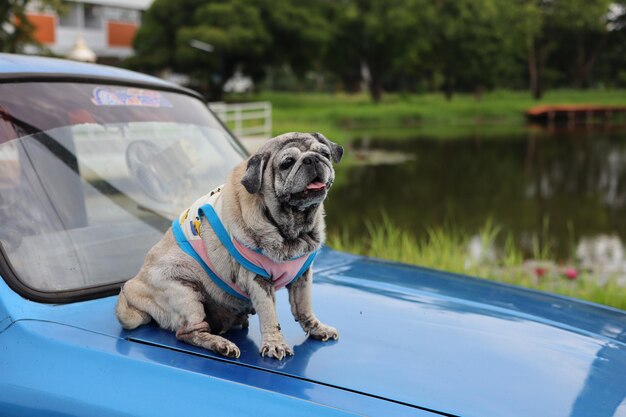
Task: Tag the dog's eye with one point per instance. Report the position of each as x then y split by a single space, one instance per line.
287 163
325 154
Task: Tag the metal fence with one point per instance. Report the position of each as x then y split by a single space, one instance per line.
246 120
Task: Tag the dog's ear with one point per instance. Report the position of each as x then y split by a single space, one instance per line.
253 178
335 150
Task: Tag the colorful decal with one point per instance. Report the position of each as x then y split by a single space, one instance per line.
110 96
195 226
183 217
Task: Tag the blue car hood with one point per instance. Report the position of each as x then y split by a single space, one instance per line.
442 342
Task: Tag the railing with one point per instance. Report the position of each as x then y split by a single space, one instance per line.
246 120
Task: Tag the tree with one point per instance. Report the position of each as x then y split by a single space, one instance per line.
456 45
16 31
586 34
611 65
549 25
465 42
236 31
246 34
470 43
300 32
377 34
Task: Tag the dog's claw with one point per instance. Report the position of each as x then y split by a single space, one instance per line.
323 332
227 348
275 349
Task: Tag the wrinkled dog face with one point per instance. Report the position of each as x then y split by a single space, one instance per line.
296 169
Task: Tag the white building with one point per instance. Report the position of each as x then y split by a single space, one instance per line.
107 26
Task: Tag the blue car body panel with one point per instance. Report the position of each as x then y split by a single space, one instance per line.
84 373
27 67
410 337
13 64
51 369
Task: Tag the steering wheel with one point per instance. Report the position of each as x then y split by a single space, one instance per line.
147 164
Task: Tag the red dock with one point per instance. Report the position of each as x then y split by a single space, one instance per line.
573 112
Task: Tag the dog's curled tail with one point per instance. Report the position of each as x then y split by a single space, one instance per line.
129 316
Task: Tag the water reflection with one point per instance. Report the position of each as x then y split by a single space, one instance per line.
604 255
601 383
575 179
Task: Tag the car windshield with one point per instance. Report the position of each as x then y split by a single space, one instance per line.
92 175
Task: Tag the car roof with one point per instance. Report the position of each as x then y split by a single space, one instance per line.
15 67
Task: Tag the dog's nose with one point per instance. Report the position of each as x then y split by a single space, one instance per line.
308 160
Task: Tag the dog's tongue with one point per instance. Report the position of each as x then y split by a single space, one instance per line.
317 185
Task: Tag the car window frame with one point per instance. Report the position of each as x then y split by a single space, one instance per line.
7 272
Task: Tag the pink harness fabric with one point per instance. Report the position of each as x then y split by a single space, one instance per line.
282 273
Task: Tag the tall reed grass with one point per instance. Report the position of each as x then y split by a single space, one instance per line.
446 248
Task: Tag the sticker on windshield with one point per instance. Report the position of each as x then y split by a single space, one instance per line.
110 96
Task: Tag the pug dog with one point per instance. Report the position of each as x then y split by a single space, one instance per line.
225 256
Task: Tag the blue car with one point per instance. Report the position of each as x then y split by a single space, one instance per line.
95 162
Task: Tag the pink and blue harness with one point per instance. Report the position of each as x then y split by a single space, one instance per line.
186 230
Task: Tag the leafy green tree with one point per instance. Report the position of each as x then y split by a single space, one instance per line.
155 43
300 32
611 66
246 34
549 25
456 45
585 33
377 34
236 31
466 43
471 44
343 57
16 31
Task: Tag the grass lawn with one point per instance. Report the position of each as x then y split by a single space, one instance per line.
447 250
343 117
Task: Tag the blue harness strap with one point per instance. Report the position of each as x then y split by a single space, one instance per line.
306 266
188 249
209 212
222 234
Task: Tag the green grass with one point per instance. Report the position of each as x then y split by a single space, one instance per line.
447 249
345 117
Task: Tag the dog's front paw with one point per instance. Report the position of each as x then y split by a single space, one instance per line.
323 332
275 348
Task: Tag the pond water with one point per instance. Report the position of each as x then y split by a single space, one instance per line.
565 187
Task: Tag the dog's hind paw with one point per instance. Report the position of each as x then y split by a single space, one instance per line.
198 335
226 348
323 332
275 349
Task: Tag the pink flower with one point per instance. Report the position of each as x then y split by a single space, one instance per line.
540 271
571 273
